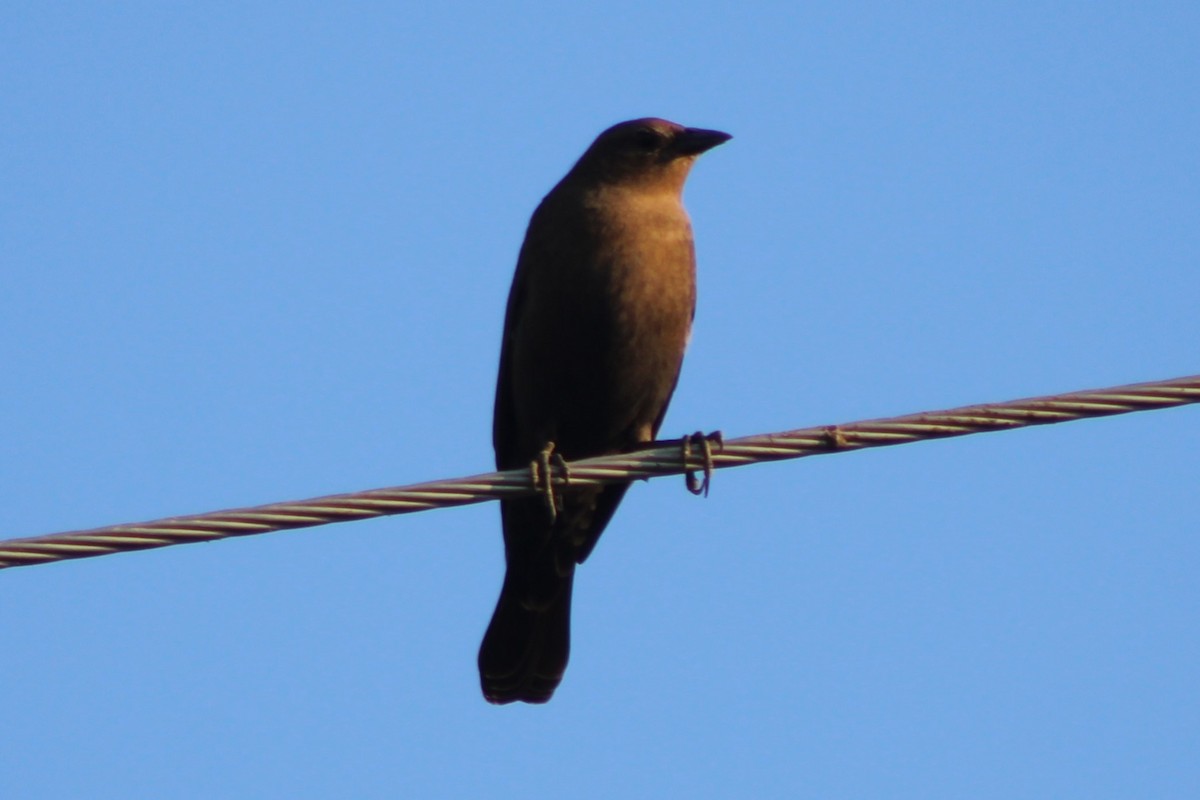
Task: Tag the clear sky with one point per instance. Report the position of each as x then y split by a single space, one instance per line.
256 252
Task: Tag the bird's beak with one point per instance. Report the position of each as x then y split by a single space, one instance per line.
694 141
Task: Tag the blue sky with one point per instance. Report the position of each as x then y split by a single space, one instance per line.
261 252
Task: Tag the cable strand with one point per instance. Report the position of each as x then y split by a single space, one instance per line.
653 461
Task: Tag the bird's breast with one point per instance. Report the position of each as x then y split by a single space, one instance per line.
647 271
605 322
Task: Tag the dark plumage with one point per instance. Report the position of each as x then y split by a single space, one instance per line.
598 318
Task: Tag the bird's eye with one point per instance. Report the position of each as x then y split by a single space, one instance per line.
647 139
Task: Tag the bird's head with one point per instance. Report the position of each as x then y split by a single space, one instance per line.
646 152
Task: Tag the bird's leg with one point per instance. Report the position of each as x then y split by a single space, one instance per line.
694 485
542 477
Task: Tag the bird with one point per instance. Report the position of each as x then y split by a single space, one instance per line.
597 320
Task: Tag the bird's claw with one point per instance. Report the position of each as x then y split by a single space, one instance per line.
541 471
699 486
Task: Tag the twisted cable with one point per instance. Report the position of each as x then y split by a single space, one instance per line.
655 460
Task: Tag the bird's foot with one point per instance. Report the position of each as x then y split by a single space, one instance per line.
698 486
541 473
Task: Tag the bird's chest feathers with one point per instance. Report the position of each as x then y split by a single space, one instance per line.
608 305
643 272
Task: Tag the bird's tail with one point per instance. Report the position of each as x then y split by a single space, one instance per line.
524 652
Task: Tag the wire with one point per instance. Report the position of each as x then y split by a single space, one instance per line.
655 460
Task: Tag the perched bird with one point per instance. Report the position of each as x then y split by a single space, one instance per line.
598 318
